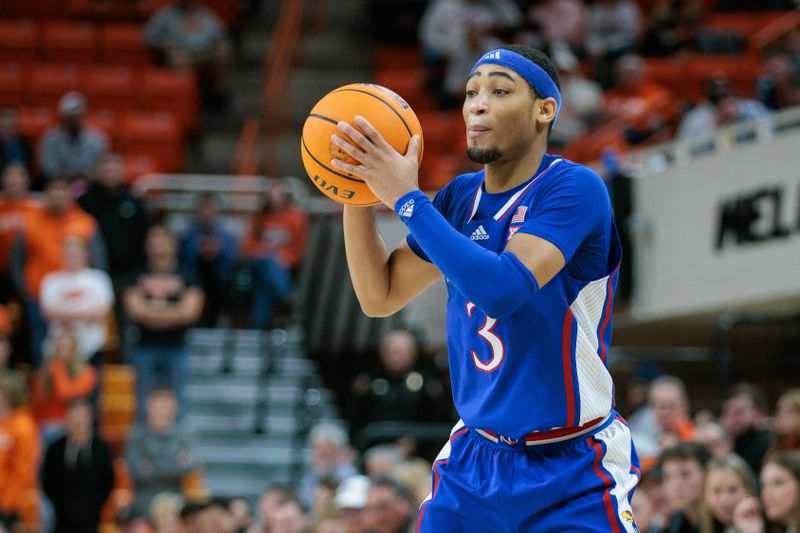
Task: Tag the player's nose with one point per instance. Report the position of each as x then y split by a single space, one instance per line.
479 104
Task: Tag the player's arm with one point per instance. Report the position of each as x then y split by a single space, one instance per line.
384 282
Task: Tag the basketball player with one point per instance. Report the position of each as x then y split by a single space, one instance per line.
530 255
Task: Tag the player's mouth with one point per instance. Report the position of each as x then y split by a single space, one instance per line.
476 131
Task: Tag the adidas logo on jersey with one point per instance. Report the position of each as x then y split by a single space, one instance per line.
479 234
407 209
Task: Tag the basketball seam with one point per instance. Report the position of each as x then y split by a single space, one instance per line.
381 101
320 163
323 117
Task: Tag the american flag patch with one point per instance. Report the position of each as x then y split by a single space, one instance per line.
519 216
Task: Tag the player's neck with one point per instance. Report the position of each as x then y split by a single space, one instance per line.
508 173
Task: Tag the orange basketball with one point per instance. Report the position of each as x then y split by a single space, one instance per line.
382 108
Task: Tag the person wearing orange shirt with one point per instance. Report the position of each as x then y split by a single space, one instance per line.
15 204
19 453
642 107
64 376
273 249
38 251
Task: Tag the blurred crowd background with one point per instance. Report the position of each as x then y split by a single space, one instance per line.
102 282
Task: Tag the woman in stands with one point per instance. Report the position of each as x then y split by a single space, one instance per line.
728 480
780 498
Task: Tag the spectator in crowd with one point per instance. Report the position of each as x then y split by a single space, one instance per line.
651 483
210 249
561 23
351 500
19 453
79 298
780 498
38 251
642 107
14 149
779 86
682 466
122 219
64 376
162 301
188 34
582 102
268 502
714 437
415 475
669 402
72 149
273 249
786 425
612 28
388 507
165 513
647 517
211 516
454 33
331 457
721 108
331 523
289 518
15 205
398 391
744 416
672 27
158 452
78 473
6 349
728 480
131 519
380 461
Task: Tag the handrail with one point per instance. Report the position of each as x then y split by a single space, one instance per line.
245 160
775 30
277 64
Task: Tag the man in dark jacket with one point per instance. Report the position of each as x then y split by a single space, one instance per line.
78 473
122 219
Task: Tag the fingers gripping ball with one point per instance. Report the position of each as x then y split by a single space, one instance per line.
382 108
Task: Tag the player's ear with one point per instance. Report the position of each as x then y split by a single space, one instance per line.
545 110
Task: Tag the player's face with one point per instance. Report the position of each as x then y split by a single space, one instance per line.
498 113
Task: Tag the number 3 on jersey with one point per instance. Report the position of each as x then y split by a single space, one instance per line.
495 343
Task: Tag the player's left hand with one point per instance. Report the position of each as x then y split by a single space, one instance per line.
388 173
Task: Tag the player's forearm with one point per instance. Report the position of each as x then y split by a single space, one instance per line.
367 260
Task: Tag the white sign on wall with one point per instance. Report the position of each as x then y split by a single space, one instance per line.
723 231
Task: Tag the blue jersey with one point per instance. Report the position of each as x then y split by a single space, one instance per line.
542 368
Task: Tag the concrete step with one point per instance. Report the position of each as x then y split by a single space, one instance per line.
249 487
245 455
287 364
274 425
332 51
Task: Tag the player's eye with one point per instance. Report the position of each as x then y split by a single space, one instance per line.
471 92
500 92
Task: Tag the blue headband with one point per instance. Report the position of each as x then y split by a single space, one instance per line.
530 72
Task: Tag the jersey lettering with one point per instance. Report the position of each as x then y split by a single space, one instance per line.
495 343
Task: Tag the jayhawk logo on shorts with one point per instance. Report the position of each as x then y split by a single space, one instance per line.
628 517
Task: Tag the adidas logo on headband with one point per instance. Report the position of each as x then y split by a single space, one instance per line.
492 55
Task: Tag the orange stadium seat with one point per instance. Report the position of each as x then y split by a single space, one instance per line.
444 131
123 43
137 165
157 134
396 57
13 84
34 121
174 91
50 81
69 42
49 9
18 40
110 87
105 121
408 83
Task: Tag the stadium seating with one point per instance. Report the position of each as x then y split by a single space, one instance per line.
122 43
69 42
18 40
110 87
49 82
157 134
174 91
13 84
